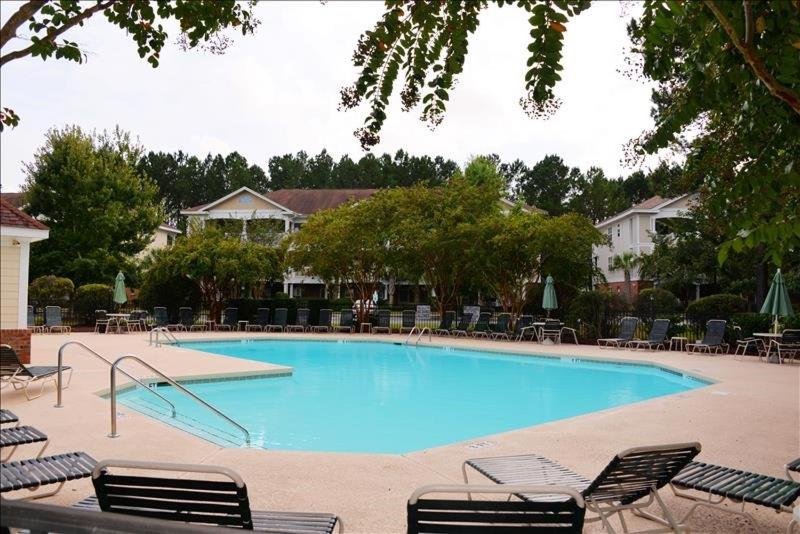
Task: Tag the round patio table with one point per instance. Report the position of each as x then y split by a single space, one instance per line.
117 318
768 337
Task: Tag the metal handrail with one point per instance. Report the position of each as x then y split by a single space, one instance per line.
408 337
162 330
173 383
96 355
422 333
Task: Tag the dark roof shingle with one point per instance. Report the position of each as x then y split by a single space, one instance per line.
12 216
309 201
15 199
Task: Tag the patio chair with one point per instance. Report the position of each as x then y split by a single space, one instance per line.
550 330
491 516
186 318
20 376
32 326
34 473
196 499
383 322
261 321
324 322
712 339
787 345
745 344
52 318
15 436
627 329
133 321
409 321
160 317
230 319
500 330
462 328
446 324
482 328
657 338
279 320
101 319
300 322
524 327
631 476
346 321
739 486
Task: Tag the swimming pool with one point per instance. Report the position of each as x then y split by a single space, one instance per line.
387 398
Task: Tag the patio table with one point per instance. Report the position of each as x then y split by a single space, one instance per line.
116 318
768 337
539 327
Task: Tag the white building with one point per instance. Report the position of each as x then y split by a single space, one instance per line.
633 230
164 236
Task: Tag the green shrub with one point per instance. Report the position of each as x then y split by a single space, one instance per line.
721 306
752 322
51 291
341 304
592 308
280 295
91 297
790 322
657 300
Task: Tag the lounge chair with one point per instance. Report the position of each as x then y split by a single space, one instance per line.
500 330
793 467
345 321
300 322
101 319
787 345
8 417
524 327
735 484
33 473
383 322
160 317
491 516
20 376
195 500
230 319
627 329
324 322
631 476
32 326
279 319
261 321
409 321
186 319
657 338
446 324
15 436
482 328
713 338
462 328
52 317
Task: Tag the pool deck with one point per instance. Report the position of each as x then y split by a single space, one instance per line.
749 418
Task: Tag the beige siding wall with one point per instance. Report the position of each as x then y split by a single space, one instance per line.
644 229
236 203
159 241
9 285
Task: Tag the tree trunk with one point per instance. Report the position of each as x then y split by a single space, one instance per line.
761 281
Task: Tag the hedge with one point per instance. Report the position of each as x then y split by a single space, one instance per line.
655 300
91 297
721 306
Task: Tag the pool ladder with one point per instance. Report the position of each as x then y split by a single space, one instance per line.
115 366
159 331
420 332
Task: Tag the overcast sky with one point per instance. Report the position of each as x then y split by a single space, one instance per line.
277 92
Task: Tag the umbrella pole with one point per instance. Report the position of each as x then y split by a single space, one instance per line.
775 326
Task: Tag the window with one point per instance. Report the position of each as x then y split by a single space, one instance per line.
170 239
596 260
630 229
245 199
611 263
609 233
618 230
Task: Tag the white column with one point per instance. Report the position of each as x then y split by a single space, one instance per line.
22 291
287 225
244 229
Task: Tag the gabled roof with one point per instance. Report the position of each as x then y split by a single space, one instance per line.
16 199
14 217
651 205
309 201
244 189
169 228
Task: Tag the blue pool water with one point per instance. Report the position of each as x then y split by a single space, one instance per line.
387 398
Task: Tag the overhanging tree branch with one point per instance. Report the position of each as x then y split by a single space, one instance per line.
755 62
53 34
25 12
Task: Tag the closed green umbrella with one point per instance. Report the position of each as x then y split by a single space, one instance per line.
549 300
120 297
777 301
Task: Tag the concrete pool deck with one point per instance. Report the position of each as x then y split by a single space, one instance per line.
749 418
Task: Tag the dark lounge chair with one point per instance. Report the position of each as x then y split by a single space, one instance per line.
462 328
195 500
160 317
627 329
474 516
713 339
482 328
52 317
279 320
346 321
15 436
631 476
33 473
500 330
186 319
8 417
383 322
324 322
446 324
409 321
261 321
32 326
657 338
787 345
20 376
737 485
300 322
230 319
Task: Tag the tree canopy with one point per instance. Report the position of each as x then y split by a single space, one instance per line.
101 211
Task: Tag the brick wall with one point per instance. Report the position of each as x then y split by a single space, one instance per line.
20 341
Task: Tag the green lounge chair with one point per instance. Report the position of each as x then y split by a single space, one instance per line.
52 317
446 324
482 328
346 321
324 322
409 321
279 320
383 322
627 329
713 339
657 338
300 322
